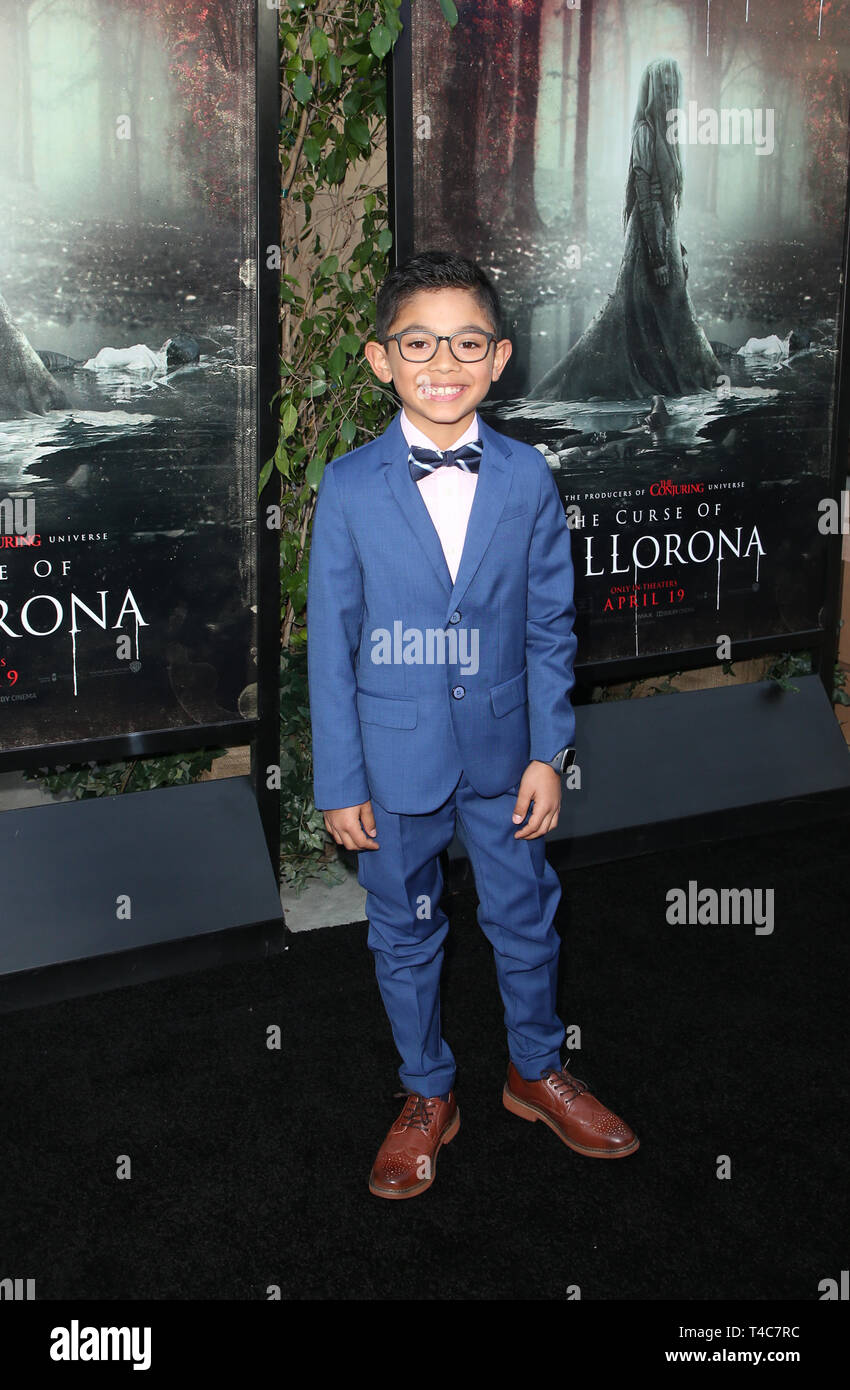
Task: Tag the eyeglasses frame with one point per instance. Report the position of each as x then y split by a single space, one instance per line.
441 338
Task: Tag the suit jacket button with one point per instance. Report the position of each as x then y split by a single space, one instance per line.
458 692
455 618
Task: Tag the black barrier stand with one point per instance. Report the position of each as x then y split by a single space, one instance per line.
712 764
120 890
123 889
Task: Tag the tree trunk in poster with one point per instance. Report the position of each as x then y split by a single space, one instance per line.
460 112
585 53
519 206
25 167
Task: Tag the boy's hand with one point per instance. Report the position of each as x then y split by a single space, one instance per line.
345 826
542 785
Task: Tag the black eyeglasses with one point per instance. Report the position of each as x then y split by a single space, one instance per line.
468 345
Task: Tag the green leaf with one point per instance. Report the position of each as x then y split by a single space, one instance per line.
333 70
358 131
329 266
385 239
319 44
351 103
336 362
312 150
349 56
265 474
390 15
350 343
348 431
302 89
364 252
288 420
335 166
315 469
381 41
450 11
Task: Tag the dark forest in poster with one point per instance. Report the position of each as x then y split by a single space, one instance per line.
127 367
658 189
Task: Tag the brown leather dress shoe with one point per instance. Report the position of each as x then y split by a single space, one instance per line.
565 1104
407 1160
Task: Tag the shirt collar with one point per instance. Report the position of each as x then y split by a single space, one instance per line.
414 435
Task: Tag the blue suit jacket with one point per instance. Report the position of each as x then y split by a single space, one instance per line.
400 722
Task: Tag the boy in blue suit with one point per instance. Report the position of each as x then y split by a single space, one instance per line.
440 654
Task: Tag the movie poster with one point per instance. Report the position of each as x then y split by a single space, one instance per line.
128 471
658 190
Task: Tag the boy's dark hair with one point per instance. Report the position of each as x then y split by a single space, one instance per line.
434 270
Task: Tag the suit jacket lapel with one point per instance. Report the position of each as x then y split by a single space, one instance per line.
494 479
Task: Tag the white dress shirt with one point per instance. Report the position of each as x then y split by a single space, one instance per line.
447 493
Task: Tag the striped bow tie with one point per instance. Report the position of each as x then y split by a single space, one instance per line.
425 461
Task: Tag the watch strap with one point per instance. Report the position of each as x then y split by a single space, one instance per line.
563 759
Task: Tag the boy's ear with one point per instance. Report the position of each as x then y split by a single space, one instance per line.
502 352
378 361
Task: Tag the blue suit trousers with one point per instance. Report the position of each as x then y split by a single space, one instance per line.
518 893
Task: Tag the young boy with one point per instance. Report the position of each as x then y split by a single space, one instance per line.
440 653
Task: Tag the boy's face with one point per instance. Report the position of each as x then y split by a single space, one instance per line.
440 396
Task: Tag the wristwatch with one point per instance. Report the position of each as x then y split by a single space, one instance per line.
564 759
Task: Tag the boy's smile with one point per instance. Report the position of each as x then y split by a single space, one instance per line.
440 396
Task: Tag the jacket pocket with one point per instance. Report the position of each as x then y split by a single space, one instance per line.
393 713
516 509
510 693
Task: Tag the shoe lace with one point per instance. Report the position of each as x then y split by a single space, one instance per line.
567 1087
416 1114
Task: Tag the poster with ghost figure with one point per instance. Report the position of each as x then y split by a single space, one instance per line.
658 191
128 473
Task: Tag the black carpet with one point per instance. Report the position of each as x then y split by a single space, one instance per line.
249 1165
